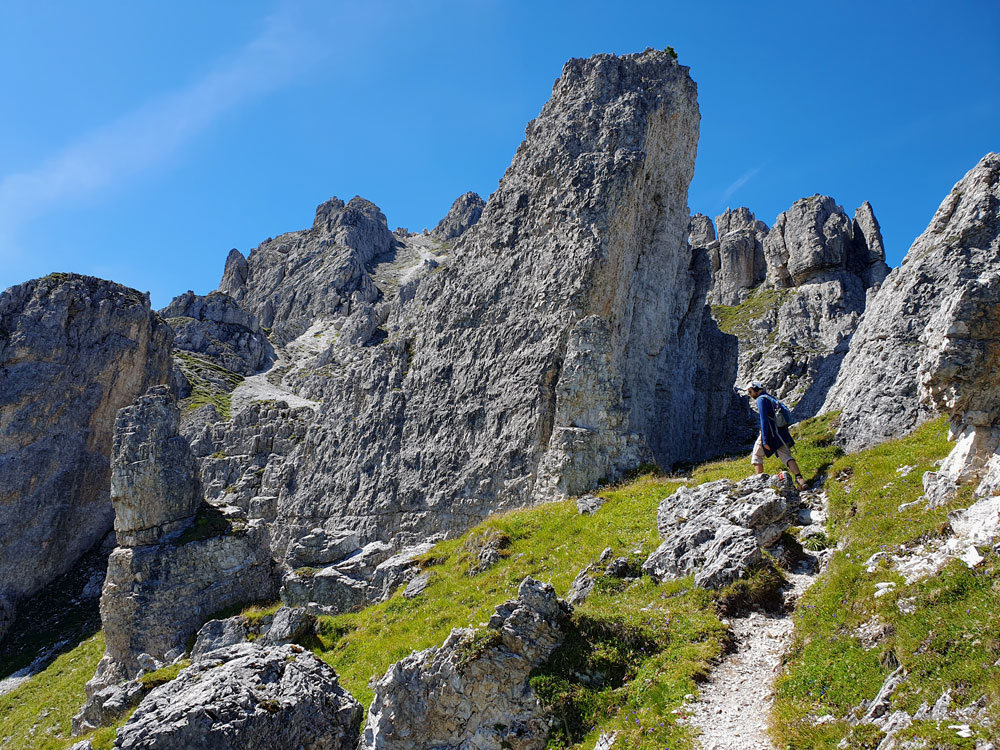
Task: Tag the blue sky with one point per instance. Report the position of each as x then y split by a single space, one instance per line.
140 141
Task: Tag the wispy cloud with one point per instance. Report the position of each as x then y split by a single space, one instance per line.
151 135
738 183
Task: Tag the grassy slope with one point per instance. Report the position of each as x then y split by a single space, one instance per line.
651 643
952 641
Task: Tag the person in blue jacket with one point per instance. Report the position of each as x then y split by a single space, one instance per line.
772 439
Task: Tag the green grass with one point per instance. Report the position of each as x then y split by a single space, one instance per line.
163 675
951 641
739 320
37 715
211 383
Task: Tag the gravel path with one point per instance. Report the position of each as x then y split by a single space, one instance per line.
732 710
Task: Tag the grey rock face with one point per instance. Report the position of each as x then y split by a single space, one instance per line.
820 269
73 350
737 257
154 478
284 626
959 376
472 692
565 344
215 325
701 231
877 390
717 530
289 281
249 697
160 587
464 212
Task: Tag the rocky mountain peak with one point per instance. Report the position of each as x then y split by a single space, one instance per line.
464 212
742 217
701 232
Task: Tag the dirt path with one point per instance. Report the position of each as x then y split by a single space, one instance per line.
732 710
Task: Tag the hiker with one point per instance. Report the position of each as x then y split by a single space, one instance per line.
772 439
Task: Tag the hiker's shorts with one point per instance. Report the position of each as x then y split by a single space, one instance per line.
757 457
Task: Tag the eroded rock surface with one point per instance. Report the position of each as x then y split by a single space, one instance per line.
215 325
567 342
73 350
290 280
737 256
717 531
472 691
250 697
464 212
877 391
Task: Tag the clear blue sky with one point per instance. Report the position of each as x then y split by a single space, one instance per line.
140 141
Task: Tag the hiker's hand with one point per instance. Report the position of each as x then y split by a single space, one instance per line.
767 447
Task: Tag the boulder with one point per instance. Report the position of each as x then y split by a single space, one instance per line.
247 697
877 391
73 351
717 531
472 691
154 478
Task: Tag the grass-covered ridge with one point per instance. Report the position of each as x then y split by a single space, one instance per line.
950 641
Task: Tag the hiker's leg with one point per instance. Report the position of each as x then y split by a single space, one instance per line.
757 457
793 466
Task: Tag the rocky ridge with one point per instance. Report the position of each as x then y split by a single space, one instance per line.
73 350
794 293
464 212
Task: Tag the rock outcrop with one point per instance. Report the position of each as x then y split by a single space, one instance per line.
877 391
73 350
215 325
179 560
289 281
718 531
567 342
737 256
472 691
802 287
464 212
247 696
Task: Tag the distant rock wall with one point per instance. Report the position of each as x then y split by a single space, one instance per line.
877 391
73 350
802 286
290 280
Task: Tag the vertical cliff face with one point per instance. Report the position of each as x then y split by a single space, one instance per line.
73 350
564 343
877 390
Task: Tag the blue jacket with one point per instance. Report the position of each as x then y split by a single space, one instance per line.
773 437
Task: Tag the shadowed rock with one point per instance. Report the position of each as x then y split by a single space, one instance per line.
73 350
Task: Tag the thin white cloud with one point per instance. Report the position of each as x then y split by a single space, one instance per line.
738 183
152 134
